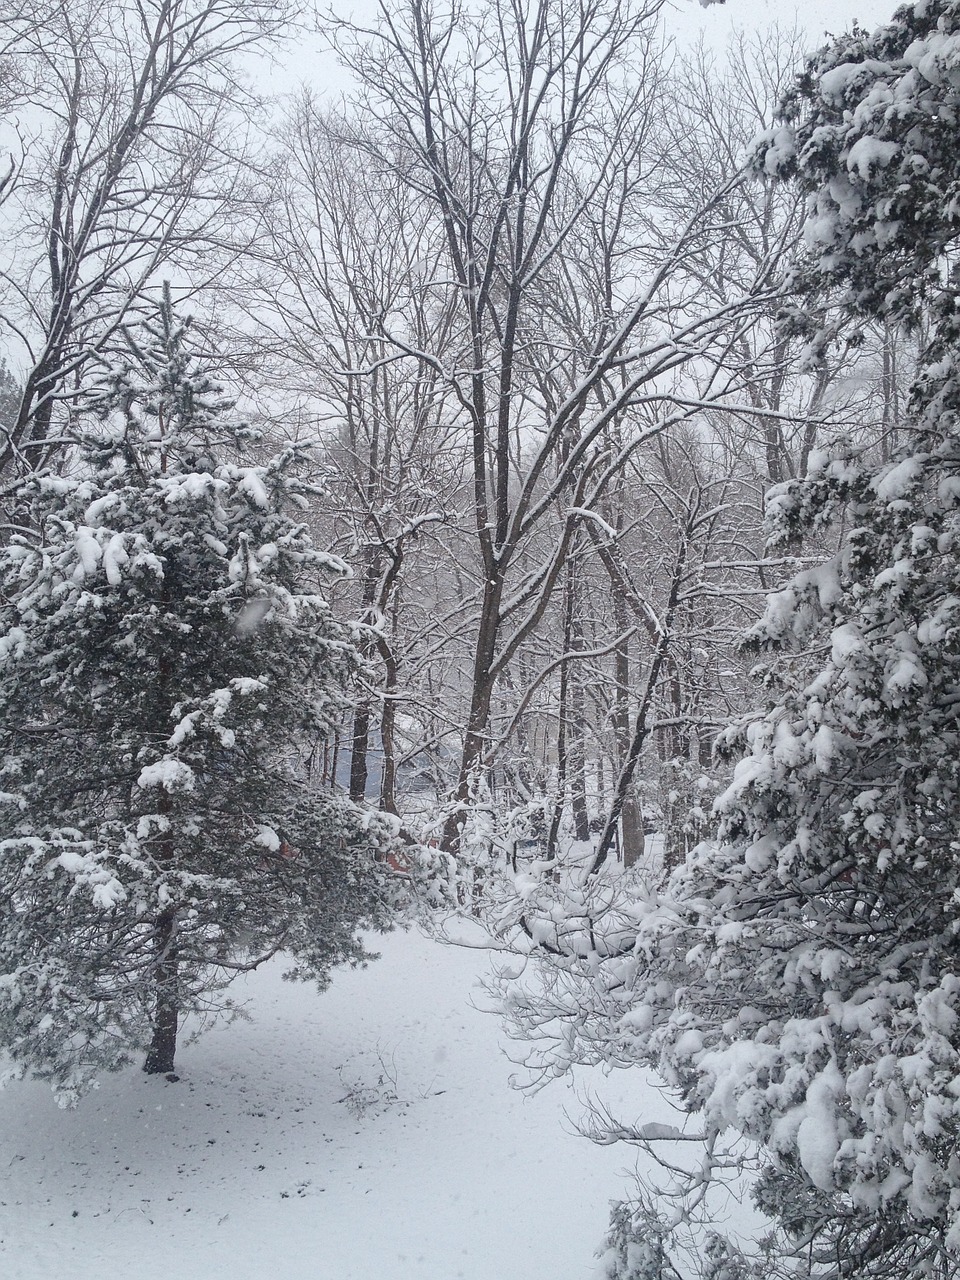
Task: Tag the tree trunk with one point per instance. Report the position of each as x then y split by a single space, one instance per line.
661 653
563 709
166 1009
360 735
891 399
577 740
631 832
631 826
359 747
163 1046
388 718
481 695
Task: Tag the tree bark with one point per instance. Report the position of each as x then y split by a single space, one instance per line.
166 1013
481 694
631 826
360 736
359 746
631 831
577 744
388 719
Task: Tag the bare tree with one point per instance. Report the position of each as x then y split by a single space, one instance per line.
350 254
131 166
537 134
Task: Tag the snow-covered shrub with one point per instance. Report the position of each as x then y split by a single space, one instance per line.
641 1246
636 1245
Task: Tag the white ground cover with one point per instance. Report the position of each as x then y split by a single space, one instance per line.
369 1133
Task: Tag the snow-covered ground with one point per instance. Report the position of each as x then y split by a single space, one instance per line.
369 1133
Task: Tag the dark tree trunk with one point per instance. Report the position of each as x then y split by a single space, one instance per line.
388 781
562 711
631 831
166 1014
631 825
577 744
360 736
358 752
481 694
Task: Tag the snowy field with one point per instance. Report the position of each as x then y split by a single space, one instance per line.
366 1134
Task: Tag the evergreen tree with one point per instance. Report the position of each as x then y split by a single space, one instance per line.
799 979
10 392
817 1008
167 661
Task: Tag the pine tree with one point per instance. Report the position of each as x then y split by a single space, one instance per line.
167 662
10 392
817 1005
798 981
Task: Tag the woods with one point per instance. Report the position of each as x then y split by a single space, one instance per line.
581 516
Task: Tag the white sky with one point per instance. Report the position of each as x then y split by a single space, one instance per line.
685 20
689 20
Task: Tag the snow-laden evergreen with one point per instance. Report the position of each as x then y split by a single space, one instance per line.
869 133
798 979
168 666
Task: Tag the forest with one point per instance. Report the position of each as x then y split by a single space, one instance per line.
517 494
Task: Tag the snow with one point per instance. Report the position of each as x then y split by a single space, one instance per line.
88 554
267 837
817 1139
779 150
907 673
368 1131
868 154
250 482
825 749
114 558
841 80
844 643
172 775
897 480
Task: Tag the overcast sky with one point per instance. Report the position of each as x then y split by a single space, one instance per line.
685 20
688 20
